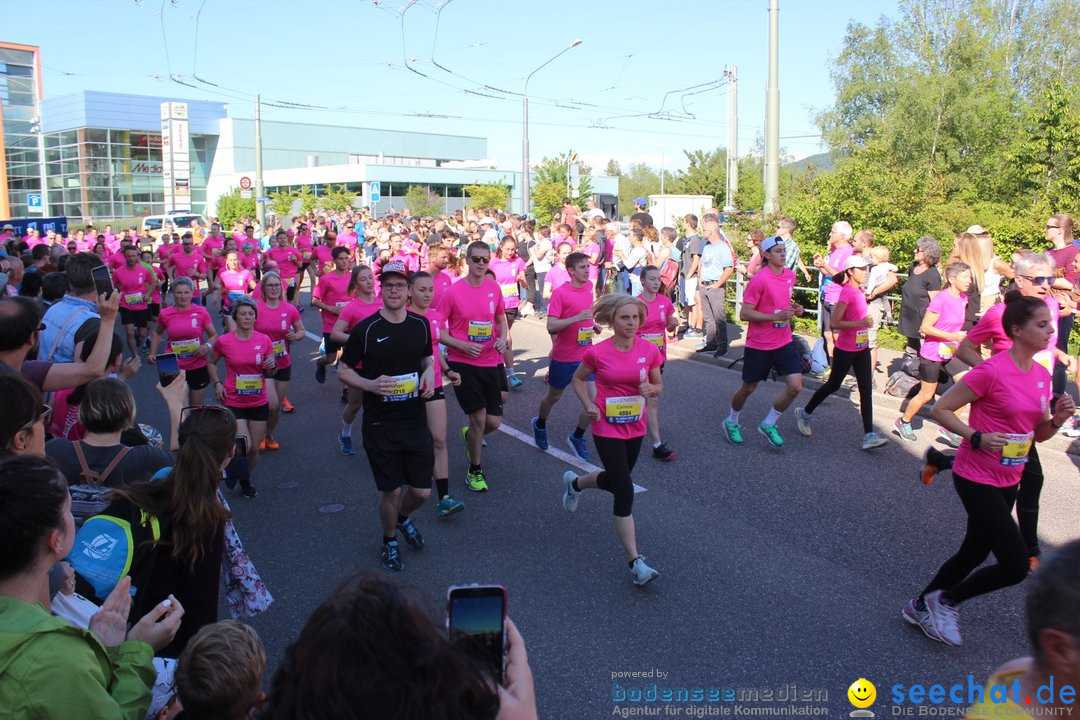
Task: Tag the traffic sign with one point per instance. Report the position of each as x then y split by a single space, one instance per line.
245 183
375 191
245 194
262 199
34 203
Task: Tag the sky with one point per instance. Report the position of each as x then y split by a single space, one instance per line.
645 84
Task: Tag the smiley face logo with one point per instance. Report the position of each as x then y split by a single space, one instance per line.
862 693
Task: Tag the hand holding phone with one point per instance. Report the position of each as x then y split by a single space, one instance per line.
103 281
168 367
476 621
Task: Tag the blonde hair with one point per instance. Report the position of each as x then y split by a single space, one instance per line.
605 308
880 253
219 675
976 255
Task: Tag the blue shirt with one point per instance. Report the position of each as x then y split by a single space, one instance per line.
62 321
715 258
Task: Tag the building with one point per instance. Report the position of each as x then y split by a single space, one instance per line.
20 128
104 158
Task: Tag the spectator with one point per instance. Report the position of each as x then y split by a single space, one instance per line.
640 214
66 422
53 287
23 421
922 284
64 319
219 676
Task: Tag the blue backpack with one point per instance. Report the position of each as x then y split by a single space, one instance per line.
105 550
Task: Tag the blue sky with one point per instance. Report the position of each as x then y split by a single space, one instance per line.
396 63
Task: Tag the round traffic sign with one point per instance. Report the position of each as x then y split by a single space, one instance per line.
245 183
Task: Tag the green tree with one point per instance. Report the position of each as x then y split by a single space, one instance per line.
488 195
1045 162
281 203
231 207
546 200
422 202
706 174
337 199
612 168
639 180
553 171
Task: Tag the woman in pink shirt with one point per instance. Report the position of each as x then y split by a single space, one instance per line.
233 282
359 304
280 322
558 276
660 319
191 335
1010 398
627 372
509 271
289 261
941 326
249 362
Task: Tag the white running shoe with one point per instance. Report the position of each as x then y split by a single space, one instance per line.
641 573
570 495
944 618
872 440
802 419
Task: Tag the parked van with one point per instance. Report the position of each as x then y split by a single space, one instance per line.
154 225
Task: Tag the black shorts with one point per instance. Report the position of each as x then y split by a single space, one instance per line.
155 309
930 370
826 316
303 268
260 413
512 314
400 456
138 318
198 378
480 388
283 374
504 382
758 363
439 394
331 346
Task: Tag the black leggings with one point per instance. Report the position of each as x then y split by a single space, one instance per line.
990 529
844 360
1027 501
618 457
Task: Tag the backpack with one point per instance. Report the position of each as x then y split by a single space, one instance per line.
900 384
819 361
669 273
105 551
910 364
90 496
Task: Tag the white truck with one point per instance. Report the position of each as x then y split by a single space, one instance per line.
665 208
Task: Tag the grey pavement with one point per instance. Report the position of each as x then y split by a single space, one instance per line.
776 566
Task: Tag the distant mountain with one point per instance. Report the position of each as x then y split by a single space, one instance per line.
821 161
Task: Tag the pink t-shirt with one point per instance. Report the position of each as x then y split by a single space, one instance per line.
1010 401
245 385
212 246
275 323
323 257
288 260
572 341
618 386
132 283
249 261
236 283
357 310
989 330
185 265
592 249
185 330
114 260
442 283
654 329
506 274
331 290
769 293
347 239
303 244
951 310
471 314
438 323
836 260
556 277
852 339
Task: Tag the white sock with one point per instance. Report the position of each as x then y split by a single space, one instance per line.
346 428
657 444
772 417
733 417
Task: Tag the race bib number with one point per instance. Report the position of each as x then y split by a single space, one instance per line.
656 339
509 289
584 335
291 282
479 331
1046 359
404 388
133 298
249 384
234 296
279 348
342 305
862 338
184 348
1015 451
306 255
946 350
623 410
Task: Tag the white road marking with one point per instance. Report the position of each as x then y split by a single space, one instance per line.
566 457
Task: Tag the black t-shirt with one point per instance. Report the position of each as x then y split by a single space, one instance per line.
643 217
138 465
915 298
378 347
691 247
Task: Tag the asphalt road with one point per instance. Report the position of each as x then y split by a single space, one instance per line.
776 567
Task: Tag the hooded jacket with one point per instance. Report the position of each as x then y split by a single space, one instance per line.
52 669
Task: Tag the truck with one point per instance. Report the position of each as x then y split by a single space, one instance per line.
665 208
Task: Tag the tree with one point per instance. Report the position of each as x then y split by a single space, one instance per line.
706 174
231 207
640 180
337 199
547 200
1045 162
422 202
492 195
612 168
553 171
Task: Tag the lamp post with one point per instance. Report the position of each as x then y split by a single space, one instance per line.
525 179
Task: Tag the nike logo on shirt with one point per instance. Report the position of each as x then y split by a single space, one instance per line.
382 338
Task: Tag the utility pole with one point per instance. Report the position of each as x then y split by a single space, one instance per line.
732 75
772 119
260 207
660 144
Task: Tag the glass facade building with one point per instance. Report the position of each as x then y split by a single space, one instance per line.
20 113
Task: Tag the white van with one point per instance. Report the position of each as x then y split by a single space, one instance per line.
153 225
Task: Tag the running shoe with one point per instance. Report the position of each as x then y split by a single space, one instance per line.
771 434
935 462
465 441
693 333
802 419
269 443
247 489
450 505
641 573
391 559
515 381
1033 563
706 348
320 373
286 406
579 446
539 435
903 429
919 618
476 481
872 440
949 438
570 495
345 443
663 452
733 432
411 534
944 618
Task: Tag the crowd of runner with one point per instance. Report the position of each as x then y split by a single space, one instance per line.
408 307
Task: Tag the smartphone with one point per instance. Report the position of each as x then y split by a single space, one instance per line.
237 470
103 280
476 622
167 368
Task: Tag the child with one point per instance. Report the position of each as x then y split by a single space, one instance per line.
881 279
219 674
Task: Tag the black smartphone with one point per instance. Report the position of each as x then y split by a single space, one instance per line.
103 280
238 470
476 622
168 367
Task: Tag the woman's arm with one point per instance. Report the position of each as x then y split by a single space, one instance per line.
929 330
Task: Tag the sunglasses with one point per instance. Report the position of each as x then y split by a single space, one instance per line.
1038 279
480 259
218 409
43 417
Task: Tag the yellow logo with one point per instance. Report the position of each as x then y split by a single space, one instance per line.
862 693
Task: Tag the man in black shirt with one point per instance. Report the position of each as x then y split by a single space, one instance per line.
640 214
392 350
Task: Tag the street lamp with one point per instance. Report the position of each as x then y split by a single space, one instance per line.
525 179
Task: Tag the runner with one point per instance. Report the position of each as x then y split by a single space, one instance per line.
363 304
768 309
187 263
571 325
191 335
941 326
304 245
330 297
280 322
852 350
421 292
509 271
135 284
660 320
627 372
289 260
1009 395
392 350
233 282
476 338
439 259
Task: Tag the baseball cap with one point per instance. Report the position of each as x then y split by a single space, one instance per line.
770 242
977 230
639 201
393 268
487 221
853 261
